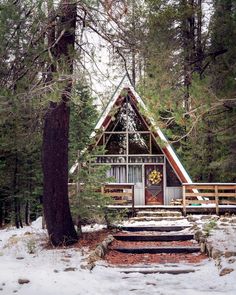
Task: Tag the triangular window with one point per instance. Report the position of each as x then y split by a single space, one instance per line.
128 132
135 121
118 120
126 117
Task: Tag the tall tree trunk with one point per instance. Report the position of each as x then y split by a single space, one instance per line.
55 166
56 134
1 212
199 49
19 213
188 37
27 214
17 224
15 191
133 56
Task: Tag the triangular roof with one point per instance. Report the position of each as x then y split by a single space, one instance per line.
168 151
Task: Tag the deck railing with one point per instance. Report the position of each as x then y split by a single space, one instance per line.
121 193
208 193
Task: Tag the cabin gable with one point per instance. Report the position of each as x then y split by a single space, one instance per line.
132 151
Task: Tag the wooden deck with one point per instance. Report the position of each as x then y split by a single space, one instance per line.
211 198
203 209
209 194
198 198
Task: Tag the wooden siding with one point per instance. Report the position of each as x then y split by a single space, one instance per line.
172 179
172 193
139 199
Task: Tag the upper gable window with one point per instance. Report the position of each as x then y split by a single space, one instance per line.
119 120
127 131
139 143
115 144
126 118
135 121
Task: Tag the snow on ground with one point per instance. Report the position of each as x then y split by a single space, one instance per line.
93 227
46 271
224 236
180 222
222 231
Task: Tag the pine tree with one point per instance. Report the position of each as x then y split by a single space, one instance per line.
87 202
20 124
61 38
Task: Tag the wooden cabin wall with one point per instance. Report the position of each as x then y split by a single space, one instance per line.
172 193
173 185
139 199
171 178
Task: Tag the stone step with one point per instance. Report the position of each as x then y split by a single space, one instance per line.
159 213
157 218
159 271
164 238
154 228
155 250
173 268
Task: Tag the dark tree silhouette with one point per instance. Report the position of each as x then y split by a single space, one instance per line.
61 39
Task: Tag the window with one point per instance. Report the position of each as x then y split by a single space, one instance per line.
118 122
135 123
139 143
135 173
115 144
118 172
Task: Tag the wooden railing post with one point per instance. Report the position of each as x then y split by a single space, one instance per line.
217 199
133 213
103 189
184 200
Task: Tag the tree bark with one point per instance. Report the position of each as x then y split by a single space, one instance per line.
199 49
55 166
1 213
27 213
188 39
56 133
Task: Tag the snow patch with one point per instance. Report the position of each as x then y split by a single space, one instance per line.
45 269
93 228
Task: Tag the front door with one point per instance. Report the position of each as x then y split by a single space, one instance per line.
154 184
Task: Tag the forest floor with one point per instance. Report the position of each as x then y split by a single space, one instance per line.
29 265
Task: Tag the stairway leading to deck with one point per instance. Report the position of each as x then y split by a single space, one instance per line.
155 243
158 215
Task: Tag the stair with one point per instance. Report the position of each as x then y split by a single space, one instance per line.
159 271
174 269
153 228
155 243
159 213
157 218
155 250
154 237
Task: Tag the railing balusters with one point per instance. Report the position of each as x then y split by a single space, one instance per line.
184 200
217 199
214 193
122 194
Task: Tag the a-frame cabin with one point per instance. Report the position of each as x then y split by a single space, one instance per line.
131 141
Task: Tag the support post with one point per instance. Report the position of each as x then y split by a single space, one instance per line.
133 213
184 200
217 199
